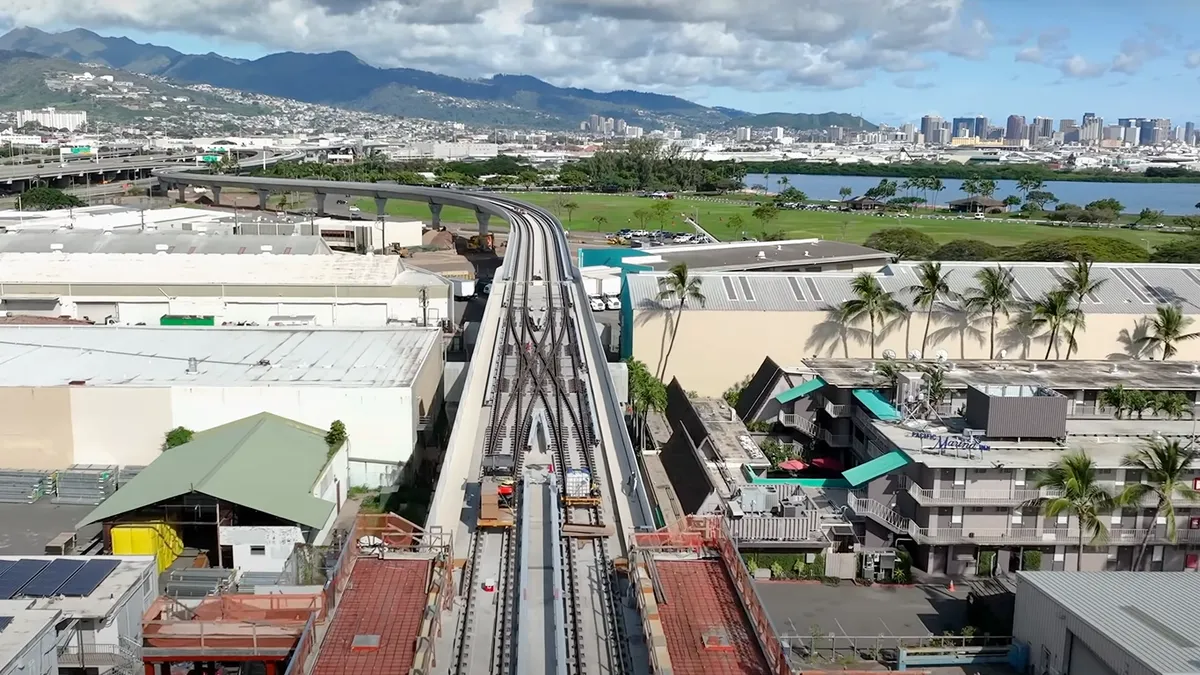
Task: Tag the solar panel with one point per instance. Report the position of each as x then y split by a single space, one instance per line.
5 564
87 579
4 621
48 581
15 577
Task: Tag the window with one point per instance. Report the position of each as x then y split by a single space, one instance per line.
979 470
976 509
258 550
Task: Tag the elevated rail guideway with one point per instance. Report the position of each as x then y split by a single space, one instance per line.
539 482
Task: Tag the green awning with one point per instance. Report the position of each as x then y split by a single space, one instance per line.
880 466
877 404
801 390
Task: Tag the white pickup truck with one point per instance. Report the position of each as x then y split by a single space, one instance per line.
596 302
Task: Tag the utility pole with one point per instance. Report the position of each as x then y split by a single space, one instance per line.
423 294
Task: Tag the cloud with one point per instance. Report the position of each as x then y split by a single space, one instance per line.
1079 67
1134 54
607 44
1030 55
1046 45
1192 60
910 82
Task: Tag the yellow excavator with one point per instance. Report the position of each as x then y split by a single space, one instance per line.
482 243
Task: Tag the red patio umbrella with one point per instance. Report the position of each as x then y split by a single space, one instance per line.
793 465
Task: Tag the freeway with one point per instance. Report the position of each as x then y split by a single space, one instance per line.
539 484
55 169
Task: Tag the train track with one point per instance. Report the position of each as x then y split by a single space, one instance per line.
539 400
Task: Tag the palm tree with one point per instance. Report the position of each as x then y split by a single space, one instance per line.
1080 283
872 302
1116 398
1073 479
1172 404
1166 467
844 192
1167 328
784 180
679 287
600 221
931 287
993 295
1057 313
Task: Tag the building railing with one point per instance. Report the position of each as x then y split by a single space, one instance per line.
863 505
806 426
836 410
124 658
765 529
968 495
1023 535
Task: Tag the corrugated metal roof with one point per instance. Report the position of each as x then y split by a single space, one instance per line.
1126 288
146 356
173 243
264 462
1154 616
230 270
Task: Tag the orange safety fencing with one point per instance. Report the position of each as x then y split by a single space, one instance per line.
699 534
262 623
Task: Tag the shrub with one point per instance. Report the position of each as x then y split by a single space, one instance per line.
906 242
986 560
177 437
336 436
1031 560
967 249
1183 251
1092 247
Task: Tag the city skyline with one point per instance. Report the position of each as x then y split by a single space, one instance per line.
892 62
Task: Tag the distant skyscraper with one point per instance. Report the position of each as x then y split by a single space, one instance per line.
981 126
1088 117
1043 127
931 126
962 126
1189 133
743 134
1066 125
1015 129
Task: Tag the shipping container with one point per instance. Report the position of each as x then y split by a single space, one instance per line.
591 286
157 539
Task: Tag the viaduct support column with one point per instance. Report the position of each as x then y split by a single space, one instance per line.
381 207
179 194
435 210
263 195
320 199
482 218
216 190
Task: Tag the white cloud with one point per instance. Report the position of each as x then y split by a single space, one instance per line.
1077 66
1030 55
668 44
1192 60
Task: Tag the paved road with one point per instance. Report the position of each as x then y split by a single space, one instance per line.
49 170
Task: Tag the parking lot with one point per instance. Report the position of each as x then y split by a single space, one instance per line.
848 610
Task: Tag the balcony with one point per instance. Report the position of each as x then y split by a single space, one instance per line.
835 410
807 427
861 505
1028 536
964 496
125 659
776 530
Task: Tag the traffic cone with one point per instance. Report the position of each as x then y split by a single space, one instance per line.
951 585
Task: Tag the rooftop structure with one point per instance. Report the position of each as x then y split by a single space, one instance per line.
114 218
47 356
175 242
1111 622
809 255
794 316
228 463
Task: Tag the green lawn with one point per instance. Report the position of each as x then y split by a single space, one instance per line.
713 216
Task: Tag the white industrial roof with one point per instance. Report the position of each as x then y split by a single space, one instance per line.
1153 616
1127 288
171 241
144 356
216 269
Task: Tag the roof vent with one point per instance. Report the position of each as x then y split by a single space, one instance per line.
1033 368
193 366
806 254
1115 369
56 247
266 248
761 256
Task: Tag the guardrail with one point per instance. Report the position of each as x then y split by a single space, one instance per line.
863 505
762 529
940 495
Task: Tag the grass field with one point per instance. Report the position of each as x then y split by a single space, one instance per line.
713 216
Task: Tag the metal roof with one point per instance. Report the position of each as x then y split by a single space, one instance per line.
176 242
745 255
148 356
229 270
1127 288
264 462
1153 616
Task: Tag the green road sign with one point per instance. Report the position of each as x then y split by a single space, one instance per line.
211 159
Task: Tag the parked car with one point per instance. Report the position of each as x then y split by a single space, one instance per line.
597 303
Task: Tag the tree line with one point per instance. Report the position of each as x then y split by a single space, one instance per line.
954 170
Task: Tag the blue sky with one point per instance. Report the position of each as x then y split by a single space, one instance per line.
891 60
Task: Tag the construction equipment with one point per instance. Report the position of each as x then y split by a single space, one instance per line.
617 241
403 252
481 243
496 503
581 489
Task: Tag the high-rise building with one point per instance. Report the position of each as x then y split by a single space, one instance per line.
1088 117
1113 132
743 134
1189 133
931 128
595 124
1015 129
1066 125
1043 128
53 119
777 134
910 132
981 126
622 125
1090 133
963 127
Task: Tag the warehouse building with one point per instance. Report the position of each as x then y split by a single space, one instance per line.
246 492
135 289
70 614
1109 623
174 243
796 316
108 395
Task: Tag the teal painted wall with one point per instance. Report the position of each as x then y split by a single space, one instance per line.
611 256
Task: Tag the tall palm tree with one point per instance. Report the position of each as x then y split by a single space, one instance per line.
993 295
1116 398
1167 329
1172 404
1073 478
1079 284
678 287
1057 313
1166 468
872 302
931 287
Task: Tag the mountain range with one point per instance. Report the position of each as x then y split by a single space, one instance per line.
343 80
